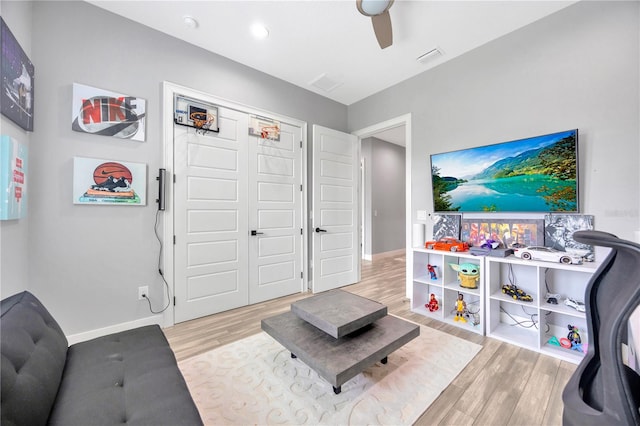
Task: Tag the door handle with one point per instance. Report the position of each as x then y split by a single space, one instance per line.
320 230
254 232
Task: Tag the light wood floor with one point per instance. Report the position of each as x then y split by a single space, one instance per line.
502 385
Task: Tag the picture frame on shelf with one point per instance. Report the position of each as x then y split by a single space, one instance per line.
559 229
527 232
446 225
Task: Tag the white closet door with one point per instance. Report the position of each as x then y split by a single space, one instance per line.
210 208
275 205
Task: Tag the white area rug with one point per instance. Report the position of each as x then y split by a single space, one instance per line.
255 381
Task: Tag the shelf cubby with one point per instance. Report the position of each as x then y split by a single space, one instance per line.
446 288
539 320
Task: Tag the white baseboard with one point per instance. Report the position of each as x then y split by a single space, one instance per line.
88 335
367 257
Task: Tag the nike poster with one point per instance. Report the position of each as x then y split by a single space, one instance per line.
105 113
97 181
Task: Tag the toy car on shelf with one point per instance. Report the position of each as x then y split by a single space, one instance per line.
516 293
447 244
547 254
573 303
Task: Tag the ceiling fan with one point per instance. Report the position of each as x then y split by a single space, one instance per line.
378 10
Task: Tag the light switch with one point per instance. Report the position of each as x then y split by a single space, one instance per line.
422 215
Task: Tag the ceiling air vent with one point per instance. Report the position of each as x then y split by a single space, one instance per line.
325 83
430 55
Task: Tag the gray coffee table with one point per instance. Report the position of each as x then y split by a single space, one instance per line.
339 334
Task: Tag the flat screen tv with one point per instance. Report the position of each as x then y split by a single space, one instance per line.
538 174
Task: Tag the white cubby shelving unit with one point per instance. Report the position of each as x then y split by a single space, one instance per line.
526 324
446 288
532 324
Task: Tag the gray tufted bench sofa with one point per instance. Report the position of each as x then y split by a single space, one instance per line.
125 378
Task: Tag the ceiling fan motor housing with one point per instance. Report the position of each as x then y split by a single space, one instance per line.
378 10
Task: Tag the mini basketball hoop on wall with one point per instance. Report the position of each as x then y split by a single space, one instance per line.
197 114
264 128
202 121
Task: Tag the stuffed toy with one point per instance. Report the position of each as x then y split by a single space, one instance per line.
468 274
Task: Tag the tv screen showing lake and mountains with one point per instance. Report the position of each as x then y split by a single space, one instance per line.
538 174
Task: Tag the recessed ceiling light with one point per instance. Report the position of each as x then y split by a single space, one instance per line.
190 21
259 31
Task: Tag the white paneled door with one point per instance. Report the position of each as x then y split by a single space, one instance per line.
229 186
211 260
336 250
275 222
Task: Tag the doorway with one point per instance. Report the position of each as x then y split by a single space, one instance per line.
384 163
394 130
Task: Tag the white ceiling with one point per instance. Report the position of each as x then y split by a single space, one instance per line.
314 38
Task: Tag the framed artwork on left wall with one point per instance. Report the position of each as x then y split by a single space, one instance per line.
97 181
17 74
106 113
13 179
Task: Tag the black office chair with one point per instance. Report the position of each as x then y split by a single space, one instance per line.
602 390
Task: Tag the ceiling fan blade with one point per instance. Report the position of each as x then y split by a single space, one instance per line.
382 28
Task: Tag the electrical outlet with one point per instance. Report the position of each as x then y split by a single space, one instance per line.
142 292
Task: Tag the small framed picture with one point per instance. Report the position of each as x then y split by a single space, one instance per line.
97 181
105 113
446 225
559 229
13 178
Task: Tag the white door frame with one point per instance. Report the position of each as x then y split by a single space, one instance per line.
363 200
377 128
168 91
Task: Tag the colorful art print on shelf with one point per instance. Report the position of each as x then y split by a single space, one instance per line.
446 225
98 181
559 229
17 81
105 113
13 179
527 232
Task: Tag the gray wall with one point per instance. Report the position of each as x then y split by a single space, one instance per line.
388 204
86 262
14 253
577 68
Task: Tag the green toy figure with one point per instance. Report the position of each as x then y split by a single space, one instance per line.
468 274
